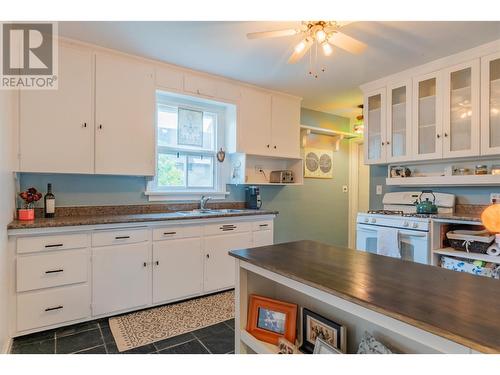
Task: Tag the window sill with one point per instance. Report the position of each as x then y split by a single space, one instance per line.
158 196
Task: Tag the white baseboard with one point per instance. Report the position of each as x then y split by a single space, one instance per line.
7 346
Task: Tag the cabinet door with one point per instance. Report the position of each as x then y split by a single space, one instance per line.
254 122
121 277
56 126
285 126
398 137
427 117
219 266
461 110
125 128
490 104
200 85
262 238
375 125
177 269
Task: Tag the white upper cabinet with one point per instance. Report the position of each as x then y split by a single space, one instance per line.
254 122
375 128
490 104
169 79
125 127
200 85
427 116
398 132
461 110
285 126
56 126
228 91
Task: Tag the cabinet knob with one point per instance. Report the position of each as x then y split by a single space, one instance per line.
100 126
439 136
383 143
275 147
387 142
157 262
445 134
84 125
267 146
145 264
208 256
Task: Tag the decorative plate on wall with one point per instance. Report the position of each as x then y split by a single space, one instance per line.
318 163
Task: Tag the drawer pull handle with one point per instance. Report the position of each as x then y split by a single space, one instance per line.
227 229
54 308
122 237
54 271
263 225
55 245
157 262
168 233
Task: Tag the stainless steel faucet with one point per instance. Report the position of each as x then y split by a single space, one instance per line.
203 202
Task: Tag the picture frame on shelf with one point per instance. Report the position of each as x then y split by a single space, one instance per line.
315 326
322 347
270 319
286 347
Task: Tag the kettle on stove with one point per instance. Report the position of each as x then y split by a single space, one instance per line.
426 207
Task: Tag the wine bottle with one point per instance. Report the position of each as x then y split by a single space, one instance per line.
49 202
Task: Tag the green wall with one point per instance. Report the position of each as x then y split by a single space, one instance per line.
318 210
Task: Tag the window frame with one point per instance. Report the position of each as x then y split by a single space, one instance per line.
218 191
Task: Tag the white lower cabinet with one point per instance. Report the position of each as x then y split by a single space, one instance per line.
219 265
121 277
262 238
177 269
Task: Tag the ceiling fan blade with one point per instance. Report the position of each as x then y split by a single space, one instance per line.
347 43
272 34
297 55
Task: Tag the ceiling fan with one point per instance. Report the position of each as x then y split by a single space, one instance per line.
324 33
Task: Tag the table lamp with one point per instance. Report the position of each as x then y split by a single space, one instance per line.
491 220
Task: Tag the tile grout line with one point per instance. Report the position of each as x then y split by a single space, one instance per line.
102 337
174 345
202 344
83 350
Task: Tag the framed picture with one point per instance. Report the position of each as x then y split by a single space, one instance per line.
322 347
318 163
189 127
315 326
270 319
286 347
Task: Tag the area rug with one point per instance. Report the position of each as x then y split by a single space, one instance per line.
147 326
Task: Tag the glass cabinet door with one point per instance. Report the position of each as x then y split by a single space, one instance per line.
427 117
398 122
461 110
374 116
490 102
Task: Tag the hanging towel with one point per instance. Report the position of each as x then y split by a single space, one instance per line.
388 242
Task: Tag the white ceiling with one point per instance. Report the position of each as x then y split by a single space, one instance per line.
222 48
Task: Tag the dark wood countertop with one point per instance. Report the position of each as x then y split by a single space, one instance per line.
460 307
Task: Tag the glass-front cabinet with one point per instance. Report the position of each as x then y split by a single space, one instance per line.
427 117
398 137
461 110
490 104
375 129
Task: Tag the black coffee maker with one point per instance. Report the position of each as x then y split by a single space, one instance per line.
252 197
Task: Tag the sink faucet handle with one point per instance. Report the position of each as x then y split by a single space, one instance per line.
203 201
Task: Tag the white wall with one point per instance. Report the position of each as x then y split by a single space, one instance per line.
7 200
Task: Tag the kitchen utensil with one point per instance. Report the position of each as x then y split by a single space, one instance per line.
426 207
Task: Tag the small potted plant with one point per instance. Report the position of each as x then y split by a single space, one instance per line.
29 197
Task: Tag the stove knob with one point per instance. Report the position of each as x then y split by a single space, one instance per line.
405 224
415 225
366 220
373 221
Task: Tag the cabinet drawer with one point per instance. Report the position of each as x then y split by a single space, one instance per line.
58 242
118 237
52 269
227 227
177 232
53 306
262 225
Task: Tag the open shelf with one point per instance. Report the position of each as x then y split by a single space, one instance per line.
259 347
467 180
332 133
465 255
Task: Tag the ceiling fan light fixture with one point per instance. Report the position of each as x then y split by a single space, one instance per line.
320 36
300 47
327 48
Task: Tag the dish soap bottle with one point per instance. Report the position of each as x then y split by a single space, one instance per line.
49 202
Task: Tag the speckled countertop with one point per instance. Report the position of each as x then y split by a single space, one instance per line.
100 216
458 217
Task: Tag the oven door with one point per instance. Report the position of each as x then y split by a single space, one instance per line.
414 245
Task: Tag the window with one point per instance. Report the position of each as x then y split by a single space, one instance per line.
189 133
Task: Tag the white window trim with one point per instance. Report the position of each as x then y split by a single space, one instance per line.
219 191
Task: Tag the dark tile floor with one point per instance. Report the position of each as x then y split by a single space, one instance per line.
95 338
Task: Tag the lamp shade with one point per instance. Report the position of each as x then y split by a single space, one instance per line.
491 218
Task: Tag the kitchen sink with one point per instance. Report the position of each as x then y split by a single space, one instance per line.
209 211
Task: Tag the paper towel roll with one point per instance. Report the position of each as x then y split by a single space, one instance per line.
493 250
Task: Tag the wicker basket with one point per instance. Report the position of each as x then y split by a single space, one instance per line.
470 241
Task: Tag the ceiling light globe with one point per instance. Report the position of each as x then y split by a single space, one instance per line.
320 36
300 47
327 49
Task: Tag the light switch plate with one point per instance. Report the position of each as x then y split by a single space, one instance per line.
379 190
495 198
